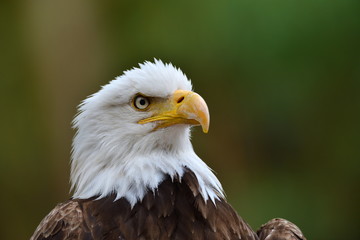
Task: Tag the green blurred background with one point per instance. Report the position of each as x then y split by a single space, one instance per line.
281 78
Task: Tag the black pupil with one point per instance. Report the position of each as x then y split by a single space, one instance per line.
142 102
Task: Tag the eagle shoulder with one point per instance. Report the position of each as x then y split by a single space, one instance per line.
279 228
65 221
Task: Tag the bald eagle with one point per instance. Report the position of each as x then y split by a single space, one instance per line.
134 172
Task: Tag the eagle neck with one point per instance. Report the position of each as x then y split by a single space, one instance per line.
130 171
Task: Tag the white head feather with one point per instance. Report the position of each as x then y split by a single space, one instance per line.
112 153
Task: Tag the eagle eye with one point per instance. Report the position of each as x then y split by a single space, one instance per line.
140 102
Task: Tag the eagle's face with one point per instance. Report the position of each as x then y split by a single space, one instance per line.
154 101
139 121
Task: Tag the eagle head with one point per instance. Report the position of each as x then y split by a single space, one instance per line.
135 131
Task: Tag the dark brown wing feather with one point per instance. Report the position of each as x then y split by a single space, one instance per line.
65 221
280 229
175 210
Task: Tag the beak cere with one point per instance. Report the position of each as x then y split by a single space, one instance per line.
183 107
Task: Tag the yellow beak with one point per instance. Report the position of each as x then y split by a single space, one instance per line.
183 107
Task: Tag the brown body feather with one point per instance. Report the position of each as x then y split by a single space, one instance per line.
280 229
176 210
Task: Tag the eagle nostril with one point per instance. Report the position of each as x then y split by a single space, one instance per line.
180 99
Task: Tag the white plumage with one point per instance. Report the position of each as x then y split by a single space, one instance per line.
112 152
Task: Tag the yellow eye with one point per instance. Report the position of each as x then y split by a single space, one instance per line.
141 102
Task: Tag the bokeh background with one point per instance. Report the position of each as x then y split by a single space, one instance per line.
281 78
